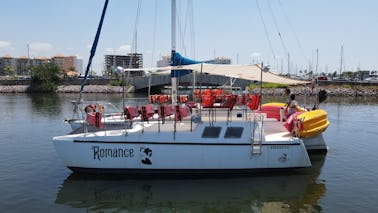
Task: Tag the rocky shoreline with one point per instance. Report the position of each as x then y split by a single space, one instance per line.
69 89
332 91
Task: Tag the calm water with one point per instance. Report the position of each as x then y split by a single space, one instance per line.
33 179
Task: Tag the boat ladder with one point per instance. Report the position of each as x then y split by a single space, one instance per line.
257 134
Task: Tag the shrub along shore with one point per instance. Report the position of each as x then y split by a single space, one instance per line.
343 91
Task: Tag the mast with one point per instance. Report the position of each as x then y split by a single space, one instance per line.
28 47
173 25
341 61
317 61
173 37
93 49
288 64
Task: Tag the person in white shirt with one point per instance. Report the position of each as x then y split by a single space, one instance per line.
292 105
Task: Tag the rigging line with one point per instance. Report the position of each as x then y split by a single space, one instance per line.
183 26
153 46
186 20
266 31
192 43
278 29
154 33
181 31
134 41
189 19
293 31
178 25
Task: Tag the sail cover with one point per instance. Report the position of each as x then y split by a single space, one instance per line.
94 46
178 60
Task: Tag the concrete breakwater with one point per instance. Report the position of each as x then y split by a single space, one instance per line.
332 91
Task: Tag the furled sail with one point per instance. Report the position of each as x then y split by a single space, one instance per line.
94 46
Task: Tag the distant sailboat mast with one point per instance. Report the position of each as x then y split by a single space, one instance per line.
317 61
288 64
341 61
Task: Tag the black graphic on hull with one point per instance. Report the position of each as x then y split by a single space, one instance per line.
146 155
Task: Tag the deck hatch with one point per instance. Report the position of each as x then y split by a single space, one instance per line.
234 132
211 132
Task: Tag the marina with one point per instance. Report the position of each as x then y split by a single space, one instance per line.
217 133
34 177
193 134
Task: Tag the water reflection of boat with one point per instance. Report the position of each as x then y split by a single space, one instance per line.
283 192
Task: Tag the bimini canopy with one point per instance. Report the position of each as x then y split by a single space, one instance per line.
248 72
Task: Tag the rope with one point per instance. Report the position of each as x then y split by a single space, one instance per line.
153 46
278 30
293 31
182 26
134 41
192 43
266 31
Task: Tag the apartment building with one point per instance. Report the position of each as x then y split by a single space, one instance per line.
65 63
21 66
131 60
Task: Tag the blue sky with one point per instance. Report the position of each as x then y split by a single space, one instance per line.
232 29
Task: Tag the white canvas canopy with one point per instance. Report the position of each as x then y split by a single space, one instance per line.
249 72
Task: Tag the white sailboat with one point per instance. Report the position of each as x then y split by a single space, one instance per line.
223 141
201 140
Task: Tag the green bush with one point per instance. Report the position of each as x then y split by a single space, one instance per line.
346 86
117 83
45 78
268 85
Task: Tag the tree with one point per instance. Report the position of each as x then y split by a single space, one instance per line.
45 78
112 74
92 73
8 70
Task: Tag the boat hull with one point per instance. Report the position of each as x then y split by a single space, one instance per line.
314 123
127 154
315 143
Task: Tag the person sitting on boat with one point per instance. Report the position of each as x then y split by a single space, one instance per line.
292 106
287 95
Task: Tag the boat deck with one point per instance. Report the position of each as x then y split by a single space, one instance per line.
275 131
